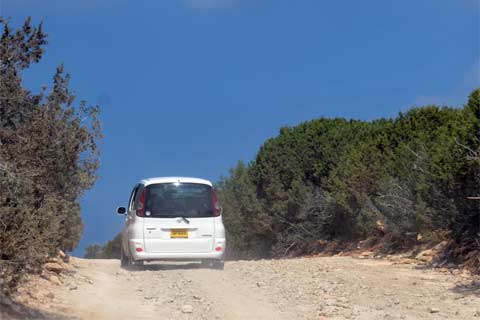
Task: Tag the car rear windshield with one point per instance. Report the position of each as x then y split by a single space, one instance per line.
169 200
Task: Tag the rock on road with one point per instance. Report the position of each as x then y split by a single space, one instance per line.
303 288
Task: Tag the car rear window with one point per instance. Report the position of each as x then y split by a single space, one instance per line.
168 200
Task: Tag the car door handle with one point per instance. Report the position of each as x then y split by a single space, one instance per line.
151 228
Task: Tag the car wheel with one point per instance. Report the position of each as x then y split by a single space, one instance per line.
213 264
124 261
219 264
136 263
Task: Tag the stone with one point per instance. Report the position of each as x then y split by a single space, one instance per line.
54 279
187 308
405 261
53 267
441 246
366 253
433 310
425 255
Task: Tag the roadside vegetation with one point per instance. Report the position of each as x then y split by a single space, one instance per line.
329 184
48 158
110 250
399 182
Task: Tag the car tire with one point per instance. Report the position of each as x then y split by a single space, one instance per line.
214 264
218 264
136 264
124 260
127 262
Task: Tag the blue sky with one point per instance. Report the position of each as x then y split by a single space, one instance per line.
189 87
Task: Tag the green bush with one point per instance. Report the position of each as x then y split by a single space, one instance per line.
111 250
334 179
48 158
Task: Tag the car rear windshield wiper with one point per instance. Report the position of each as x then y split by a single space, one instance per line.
185 219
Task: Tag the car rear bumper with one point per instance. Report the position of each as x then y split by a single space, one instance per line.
146 256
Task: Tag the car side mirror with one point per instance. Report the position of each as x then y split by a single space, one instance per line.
121 210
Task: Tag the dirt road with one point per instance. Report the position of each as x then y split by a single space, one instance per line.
306 288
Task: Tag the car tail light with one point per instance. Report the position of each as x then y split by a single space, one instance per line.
216 205
139 249
141 205
218 248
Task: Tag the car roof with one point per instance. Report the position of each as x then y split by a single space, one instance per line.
149 181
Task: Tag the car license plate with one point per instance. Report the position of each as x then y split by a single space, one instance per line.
178 233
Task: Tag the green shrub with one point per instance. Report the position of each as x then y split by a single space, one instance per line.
333 179
48 158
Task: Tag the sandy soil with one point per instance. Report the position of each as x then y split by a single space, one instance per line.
304 288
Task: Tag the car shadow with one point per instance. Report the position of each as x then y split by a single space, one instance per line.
159 266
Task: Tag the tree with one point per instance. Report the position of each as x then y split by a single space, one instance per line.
346 180
94 251
248 228
111 250
48 158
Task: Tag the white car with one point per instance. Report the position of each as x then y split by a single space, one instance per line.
173 218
